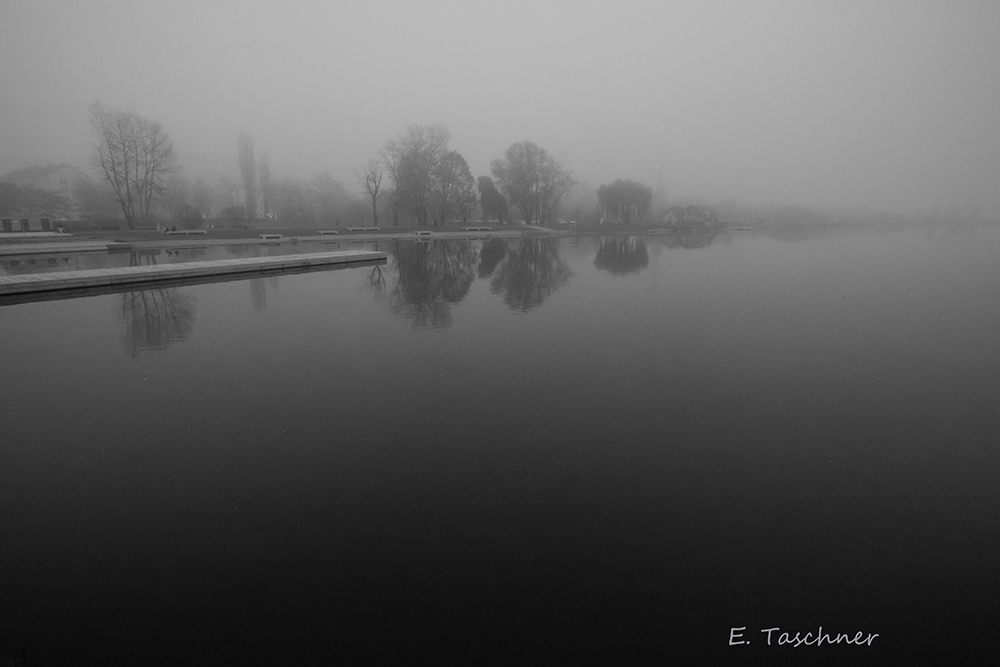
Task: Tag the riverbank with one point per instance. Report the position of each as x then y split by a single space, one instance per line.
19 244
147 239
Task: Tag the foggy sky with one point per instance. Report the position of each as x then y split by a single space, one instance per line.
892 105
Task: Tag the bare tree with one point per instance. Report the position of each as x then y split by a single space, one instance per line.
453 188
414 156
371 178
390 158
248 171
136 156
266 187
533 181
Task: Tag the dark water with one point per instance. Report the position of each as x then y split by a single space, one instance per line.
534 451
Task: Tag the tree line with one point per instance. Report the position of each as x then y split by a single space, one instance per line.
416 178
431 184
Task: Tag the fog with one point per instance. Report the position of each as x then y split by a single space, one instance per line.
889 105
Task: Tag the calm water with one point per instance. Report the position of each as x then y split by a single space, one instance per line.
546 450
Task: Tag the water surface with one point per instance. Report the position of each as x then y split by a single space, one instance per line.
617 448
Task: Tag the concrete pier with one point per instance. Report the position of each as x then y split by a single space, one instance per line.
140 276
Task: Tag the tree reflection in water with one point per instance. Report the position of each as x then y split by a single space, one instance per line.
689 239
376 282
493 252
258 291
154 318
430 277
531 271
258 294
621 255
376 279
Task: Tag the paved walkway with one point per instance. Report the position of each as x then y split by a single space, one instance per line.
137 275
56 247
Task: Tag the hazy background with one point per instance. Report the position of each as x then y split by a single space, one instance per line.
888 105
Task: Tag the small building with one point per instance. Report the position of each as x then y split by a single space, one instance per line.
673 216
29 223
690 216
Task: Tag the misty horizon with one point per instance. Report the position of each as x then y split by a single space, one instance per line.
882 107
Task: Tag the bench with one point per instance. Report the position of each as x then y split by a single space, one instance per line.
477 229
187 232
362 229
270 237
423 233
328 231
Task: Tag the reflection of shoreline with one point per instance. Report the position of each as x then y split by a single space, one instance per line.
689 239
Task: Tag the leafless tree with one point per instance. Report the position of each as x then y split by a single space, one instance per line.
266 187
453 188
390 158
136 156
371 178
533 181
415 156
248 171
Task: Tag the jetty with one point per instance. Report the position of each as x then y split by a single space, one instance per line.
57 283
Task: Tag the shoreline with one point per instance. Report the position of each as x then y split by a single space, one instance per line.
17 243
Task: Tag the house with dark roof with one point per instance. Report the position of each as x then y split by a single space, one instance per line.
673 216
689 216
